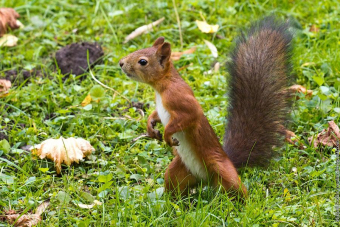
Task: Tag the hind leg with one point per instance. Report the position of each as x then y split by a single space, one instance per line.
178 179
226 176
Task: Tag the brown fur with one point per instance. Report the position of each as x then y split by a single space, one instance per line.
185 115
258 106
258 72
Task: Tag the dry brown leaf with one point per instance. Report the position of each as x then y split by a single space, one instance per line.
300 89
289 135
8 18
142 30
26 220
175 56
85 206
86 101
314 29
63 150
5 85
42 207
206 28
328 137
8 40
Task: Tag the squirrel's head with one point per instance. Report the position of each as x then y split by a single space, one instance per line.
148 65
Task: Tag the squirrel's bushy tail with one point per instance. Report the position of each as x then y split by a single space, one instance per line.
259 73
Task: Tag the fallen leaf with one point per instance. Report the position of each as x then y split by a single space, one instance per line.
212 48
300 89
314 29
142 30
19 24
291 138
2 95
8 18
217 67
26 219
5 85
42 207
89 206
220 36
307 64
206 28
86 101
175 56
8 40
63 150
287 195
289 135
328 137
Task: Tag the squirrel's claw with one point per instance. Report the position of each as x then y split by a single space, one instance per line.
175 142
156 134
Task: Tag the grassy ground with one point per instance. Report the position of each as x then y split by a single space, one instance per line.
128 177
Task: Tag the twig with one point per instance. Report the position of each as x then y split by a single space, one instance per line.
179 23
141 136
118 118
116 92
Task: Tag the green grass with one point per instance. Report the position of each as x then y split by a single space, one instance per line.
128 177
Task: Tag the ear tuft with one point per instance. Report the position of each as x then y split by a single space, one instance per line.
165 49
164 53
158 41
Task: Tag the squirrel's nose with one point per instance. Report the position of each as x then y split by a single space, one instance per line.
121 63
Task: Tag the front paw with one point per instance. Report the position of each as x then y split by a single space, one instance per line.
156 134
173 142
153 123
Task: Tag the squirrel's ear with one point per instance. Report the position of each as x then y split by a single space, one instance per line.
164 52
158 41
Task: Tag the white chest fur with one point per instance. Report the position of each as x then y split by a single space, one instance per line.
184 149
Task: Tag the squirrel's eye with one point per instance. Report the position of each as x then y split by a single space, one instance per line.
143 62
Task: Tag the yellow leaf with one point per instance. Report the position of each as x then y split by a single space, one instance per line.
285 191
206 28
286 195
86 101
63 150
2 95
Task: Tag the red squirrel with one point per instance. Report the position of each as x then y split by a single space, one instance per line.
258 76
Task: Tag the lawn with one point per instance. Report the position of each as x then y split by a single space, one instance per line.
125 173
